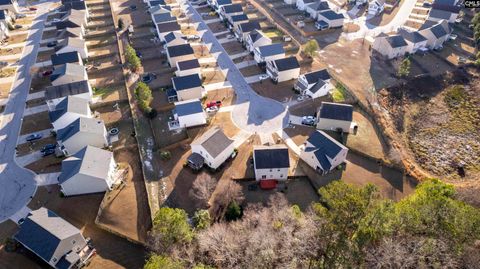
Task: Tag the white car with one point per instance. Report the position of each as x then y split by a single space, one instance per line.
308 120
230 36
452 37
301 98
211 109
263 77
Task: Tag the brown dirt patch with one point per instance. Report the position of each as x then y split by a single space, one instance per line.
213 77
224 121
251 71
35 122
233 47
26 148
49 164
282 92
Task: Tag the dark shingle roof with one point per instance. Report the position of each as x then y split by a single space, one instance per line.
249 26
439 14
186 82
233 8
3 14
163 17
77 5
71 166
332 15
314 76
172 36
271 157
438 31
54 92
287 63
336 111
67 57
396 41
320 83
168 27
69 130
414 37
157 2
188 108
272 49
323 147
447 5
223 2
179 50
319 6
214 141
189 64
241 17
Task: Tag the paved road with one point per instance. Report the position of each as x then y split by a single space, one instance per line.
252 112
18 185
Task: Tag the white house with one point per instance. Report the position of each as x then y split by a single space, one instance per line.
390 46
302 4
75 32
235 21
52 239
72 44
256 38
73 19
179 53
68 110
188 87
314 84
332 18
81 133
90 170
68 73
174 39
271 162
63 58
188 114
283 69
10 5
436 33
188 67
323 153
55 94
216 4
214 147
335 117
414 40
77 5
163 17
375 7
227 11
313 9
244 29
266 53
165 28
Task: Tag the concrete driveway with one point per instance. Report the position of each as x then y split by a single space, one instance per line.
18 184
252 112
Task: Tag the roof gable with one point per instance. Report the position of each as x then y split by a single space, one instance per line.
214 141
287 63
188 107
314 76
269 157
180 50
186 82
323 147
272 49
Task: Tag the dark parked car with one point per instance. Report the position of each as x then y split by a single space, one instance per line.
48 152
47 73
48 147
148 77
133 7
52 44
34 137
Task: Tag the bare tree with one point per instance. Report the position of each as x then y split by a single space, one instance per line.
227 191
202 189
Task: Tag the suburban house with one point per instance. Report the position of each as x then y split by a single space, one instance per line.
187 114
271 164
236 20
159 9
77 5
68 73
436 33
75 32
323 153
80 133
314 84
414 40
331 18
52 239
10 5
60 59
163 17
289 2
90 170
244 29
440 14
174 39
375 7
73 19
302 4
256 38
452 6
188 87
214 148
283 69
390 46
188 67
313 9
68 110
226 11
165 28
336 117
216 4
72 44
266 53
55 94
179 53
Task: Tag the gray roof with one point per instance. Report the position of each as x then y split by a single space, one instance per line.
69 32
396 41
272 49
447 5
67 57
156 2
256 35
438 30
161 8
439 14
323 147
233 8
332 15
78 5
72 42
314 76
214 141
271 157
336 111
320 83
172 36
90 161
414 37
188 64
241 17
6 2
70 69
287 63
319 6
70 104
179 50
42 231
168 27
223 2
247 27
188 107
54 92
163 17
186 82
82 124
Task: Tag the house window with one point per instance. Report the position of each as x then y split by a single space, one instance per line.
271 170
73 242
54 259
264 176
278 170
281 175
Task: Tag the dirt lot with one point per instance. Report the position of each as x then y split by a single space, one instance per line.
17 39
224 121
163 72
43 56
163 136
25 148
224 95
110 114
11 51
111 94
39 84
233 47
386 16
251 71
5 90
282 92
213 77
49 34
35 122
49 164
35 102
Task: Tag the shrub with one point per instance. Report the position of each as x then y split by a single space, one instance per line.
404 68
132 59
311 48
144 97
121 24
234 211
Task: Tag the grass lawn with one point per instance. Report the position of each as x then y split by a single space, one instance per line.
340 94
274 33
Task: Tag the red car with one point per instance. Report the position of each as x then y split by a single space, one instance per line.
214 103
47 73
32 8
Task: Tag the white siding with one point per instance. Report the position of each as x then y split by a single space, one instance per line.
82 51
209 160
274 173
193 93
66 119
52 103
81 140
321 92
66 79
332 125
192 120
288 74
181 73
